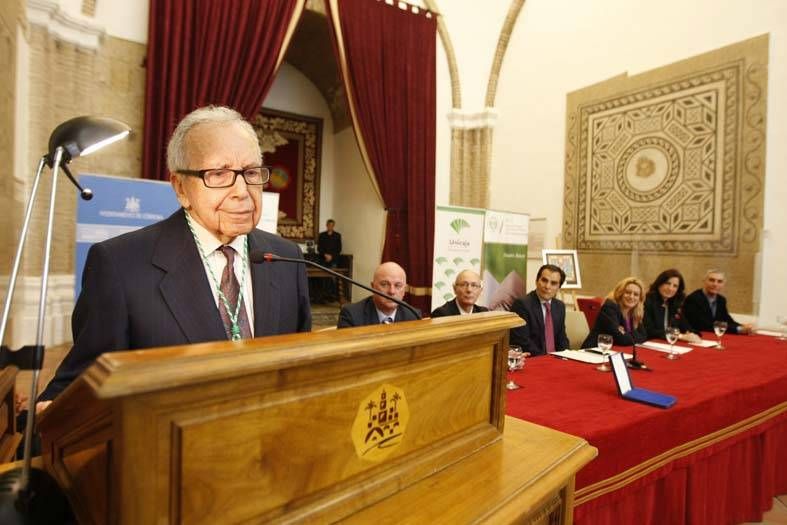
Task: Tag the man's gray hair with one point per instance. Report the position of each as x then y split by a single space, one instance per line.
475 274
714 270
176 149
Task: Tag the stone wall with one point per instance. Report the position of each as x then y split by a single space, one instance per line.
64 79
8 46
68 81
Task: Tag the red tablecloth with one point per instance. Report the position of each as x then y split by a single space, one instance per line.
723 444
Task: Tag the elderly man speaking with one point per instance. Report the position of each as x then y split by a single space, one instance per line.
187 279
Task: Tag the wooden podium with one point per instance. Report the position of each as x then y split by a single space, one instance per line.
397 423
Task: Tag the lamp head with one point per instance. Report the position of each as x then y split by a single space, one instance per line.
82 136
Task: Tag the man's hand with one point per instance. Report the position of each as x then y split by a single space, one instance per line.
690 337
745 328
328 257
41 406
20 402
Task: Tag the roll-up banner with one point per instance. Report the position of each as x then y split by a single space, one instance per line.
457 246
505 258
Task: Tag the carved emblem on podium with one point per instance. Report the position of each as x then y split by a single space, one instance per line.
381 422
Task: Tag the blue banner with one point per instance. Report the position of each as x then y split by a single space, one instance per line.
119 205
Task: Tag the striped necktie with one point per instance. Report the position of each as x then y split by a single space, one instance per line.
231 290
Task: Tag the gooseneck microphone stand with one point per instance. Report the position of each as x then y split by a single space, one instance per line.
262 257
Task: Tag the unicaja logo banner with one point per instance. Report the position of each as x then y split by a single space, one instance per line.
459 224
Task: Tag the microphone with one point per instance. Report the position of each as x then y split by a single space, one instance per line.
633 362
258 257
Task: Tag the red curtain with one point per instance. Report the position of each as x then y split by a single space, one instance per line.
209 52
388 62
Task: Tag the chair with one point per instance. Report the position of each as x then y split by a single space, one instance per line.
577 328
590 306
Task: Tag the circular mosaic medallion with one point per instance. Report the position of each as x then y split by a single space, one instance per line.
648 169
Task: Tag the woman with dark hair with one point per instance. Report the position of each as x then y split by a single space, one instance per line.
621 315
663 307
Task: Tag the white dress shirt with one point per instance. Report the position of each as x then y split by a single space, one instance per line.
217 261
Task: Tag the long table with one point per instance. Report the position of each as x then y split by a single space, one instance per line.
719 455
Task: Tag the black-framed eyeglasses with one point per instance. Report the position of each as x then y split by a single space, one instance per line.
226 177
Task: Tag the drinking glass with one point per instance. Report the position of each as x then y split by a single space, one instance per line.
719 327
516 361
672 333
604 343
782 320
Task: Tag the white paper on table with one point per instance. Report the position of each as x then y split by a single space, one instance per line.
586 357
664 347
704 343
772 333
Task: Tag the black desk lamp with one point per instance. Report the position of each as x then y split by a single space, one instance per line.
30 495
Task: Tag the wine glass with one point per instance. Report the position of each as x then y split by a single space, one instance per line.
719 327
516 361
782 320
672 334
604 342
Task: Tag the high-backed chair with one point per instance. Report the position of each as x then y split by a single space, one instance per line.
577 328
590 306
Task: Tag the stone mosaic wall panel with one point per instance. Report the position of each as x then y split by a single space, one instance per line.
670 164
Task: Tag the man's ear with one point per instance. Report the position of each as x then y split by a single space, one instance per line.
178 185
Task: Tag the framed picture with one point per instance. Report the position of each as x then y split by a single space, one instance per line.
569 262
291 146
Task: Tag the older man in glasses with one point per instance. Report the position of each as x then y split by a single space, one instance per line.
467 288
188 278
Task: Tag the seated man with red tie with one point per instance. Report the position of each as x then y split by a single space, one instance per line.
545 317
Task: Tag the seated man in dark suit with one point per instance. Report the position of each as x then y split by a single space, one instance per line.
706 305
390 279
467 288
188 279
545 317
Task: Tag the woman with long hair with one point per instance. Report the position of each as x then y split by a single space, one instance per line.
621 315
663 307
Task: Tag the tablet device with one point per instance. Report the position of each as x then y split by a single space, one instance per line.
628 391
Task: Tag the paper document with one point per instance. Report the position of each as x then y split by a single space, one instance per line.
772 333
664 347
705 344
586 356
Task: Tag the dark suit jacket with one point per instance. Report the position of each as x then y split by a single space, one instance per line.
331 244
531 336
697 312
148 288
654 316
364 313
609 321
450 308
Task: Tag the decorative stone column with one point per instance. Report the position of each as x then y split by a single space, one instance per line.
471 149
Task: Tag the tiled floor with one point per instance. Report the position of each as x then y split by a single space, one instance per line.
777 515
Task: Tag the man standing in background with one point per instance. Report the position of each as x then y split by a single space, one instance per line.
329 245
